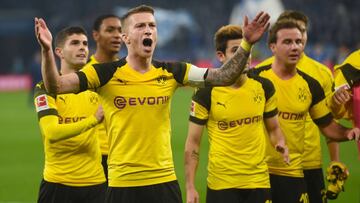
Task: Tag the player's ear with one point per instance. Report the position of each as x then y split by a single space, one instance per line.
272 47
125 38
220 56
95 35
58 52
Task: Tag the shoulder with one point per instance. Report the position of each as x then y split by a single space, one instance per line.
266 62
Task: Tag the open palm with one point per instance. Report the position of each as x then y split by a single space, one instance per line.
256 28
43 34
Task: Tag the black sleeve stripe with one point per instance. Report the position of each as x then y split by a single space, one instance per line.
267 85
40 89
316 90
271 114
203 97
324 121
197 121
178 69
105 71
351 74
257 71
83 83
47 112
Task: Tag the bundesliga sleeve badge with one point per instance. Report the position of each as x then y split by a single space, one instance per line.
41 103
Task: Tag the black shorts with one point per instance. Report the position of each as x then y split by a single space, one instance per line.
258 195
104 158
59 193
168 192
315 186
286 189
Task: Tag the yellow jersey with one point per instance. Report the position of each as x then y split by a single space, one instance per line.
137 118
76 160
100 130
234 120
297 96
312 156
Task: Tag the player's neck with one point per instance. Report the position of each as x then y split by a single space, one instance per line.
240 81
282 70
103 57
68 68
138 63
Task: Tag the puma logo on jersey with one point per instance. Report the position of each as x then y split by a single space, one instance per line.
221 104
62 99
122 81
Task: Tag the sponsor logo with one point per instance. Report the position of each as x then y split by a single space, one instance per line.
41 103
66 120
291 116
121 102
224 125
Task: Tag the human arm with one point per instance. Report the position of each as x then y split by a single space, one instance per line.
339 133
277 137
50 127
231 70
192 150
54 83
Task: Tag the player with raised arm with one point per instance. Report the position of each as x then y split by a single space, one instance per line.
237 171
136 93
72 171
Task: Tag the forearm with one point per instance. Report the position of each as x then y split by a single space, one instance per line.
277 137
335 132
55 132
333 148
191 164
232 69
49 71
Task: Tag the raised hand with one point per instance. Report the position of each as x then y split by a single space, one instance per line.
255 29
43 34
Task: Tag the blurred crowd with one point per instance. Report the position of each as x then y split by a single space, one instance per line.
334 28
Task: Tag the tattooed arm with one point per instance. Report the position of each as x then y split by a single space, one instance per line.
192 148
232 69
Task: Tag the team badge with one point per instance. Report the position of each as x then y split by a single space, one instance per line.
257 97
302 95
42 103
161 80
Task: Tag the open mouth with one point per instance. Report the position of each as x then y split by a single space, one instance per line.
147 42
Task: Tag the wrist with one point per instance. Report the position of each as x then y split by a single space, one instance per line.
245 45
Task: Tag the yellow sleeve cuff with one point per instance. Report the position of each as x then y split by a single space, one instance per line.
245 45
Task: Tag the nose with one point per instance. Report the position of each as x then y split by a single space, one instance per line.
148 30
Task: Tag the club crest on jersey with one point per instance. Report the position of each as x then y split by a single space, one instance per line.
94 100
41 103
161 80
302 95
257 97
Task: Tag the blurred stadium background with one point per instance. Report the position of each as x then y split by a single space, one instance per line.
186 31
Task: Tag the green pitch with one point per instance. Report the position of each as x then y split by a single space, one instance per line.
21 151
